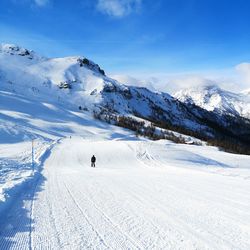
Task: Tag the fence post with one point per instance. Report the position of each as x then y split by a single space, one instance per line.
32 154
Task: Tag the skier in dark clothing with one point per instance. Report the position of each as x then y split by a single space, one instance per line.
93 159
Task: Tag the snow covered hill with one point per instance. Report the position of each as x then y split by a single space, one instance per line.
24 72
215 99
143 194
78 82
23 120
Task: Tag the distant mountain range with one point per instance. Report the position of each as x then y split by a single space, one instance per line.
214 99
208 113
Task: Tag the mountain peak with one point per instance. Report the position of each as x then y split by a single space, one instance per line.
13 49
213 98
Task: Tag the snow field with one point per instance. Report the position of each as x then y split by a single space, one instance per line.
16 164
141 195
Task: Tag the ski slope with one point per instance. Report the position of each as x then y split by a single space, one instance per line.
141 195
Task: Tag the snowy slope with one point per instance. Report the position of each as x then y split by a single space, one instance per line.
43 78
212 98
79 82
23 120
141 195
40 99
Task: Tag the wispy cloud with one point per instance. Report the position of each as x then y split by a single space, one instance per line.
118 8
38 3
149 82
226 79
165 82
244 70
42 3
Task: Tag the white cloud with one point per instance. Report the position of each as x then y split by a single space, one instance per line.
149 83
171 83
164 82
32 3
235 79
118 8
176 83
41 3
243 70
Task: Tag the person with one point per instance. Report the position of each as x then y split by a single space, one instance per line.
93 160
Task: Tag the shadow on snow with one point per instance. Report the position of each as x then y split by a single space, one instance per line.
16 216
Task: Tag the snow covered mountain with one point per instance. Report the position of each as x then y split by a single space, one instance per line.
212 98
24 72
143 194
80 83
77 83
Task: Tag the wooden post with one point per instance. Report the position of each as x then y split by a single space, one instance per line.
32 154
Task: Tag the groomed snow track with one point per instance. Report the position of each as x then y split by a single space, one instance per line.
133 199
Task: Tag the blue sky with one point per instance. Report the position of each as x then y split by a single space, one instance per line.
134 36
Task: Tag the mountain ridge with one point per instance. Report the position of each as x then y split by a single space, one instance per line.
81 84
212 98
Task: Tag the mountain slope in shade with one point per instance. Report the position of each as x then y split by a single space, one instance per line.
212 98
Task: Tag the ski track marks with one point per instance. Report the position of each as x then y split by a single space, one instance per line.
130 201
